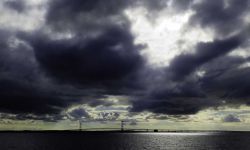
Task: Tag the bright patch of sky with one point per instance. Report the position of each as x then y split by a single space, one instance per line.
165 35
24 21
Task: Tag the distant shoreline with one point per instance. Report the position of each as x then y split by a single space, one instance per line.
114 131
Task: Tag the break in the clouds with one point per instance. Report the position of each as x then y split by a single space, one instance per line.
62 54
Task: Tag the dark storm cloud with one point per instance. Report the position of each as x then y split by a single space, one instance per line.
176 98
38 71
153 6
185 64
231 118
17 68
181 91
94 15
106 59
21 97
225 82
85 15
36 100
223 16
181 5
16 58
228 79
42 74
25 89
174 106
77 113
17 5
102 50
103 33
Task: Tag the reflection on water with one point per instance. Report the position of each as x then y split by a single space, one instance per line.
128 141
181 133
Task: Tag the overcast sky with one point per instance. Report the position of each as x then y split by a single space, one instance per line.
167 64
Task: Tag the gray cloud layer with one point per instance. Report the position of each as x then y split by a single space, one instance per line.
41 74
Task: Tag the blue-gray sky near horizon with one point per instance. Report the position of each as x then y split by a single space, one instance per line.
169 64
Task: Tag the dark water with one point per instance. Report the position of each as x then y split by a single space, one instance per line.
125 141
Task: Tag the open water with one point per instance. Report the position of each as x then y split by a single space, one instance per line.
124 141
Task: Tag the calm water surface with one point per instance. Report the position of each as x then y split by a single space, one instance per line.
125 141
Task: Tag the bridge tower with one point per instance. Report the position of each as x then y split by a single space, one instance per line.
80 125
122 125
